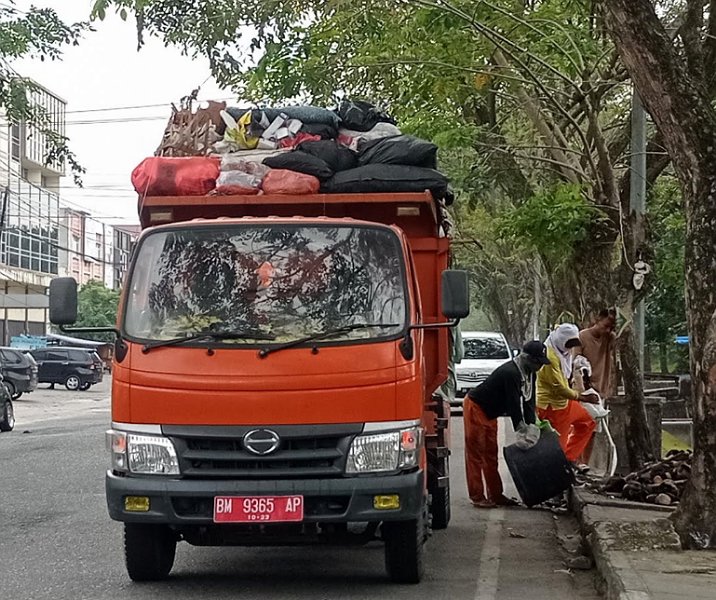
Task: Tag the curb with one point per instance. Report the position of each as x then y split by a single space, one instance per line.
614 532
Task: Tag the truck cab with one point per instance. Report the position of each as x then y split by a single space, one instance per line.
274 379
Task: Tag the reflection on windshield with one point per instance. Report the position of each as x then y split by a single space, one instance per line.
285 281
485 348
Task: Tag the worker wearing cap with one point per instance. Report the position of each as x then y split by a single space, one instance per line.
509 391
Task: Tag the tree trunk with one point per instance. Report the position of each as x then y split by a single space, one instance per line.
682 111
696 517
637 431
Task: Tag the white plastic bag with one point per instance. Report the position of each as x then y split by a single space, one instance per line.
239 162
596 411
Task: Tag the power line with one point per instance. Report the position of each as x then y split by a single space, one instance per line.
140 106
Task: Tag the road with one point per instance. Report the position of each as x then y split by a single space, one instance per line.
56 541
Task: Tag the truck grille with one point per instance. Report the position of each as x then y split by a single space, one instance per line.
303 451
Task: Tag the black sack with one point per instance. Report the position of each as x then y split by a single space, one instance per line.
399 150
325 132
301 162
361 116
386 179
338 157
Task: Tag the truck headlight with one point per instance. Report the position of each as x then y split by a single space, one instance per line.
143 454
383 452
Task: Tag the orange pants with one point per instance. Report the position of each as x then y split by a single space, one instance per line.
574 425
481 454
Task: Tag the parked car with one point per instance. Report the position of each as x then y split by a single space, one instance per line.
19 372
484 352
7 412
76 368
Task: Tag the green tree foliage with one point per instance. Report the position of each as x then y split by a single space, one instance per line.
554 220
665 303
535 101
36 34
97 307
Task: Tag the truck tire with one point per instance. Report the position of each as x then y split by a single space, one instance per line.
149 551
404 541
440 507
7 415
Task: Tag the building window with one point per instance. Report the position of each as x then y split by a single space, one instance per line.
15 146
31 236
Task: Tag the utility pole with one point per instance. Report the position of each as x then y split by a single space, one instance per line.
637 200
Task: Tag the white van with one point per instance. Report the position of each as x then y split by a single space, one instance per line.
484 352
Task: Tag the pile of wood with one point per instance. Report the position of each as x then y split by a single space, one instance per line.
192 132
660 482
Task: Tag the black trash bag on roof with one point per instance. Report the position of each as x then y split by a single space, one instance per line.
301 162
387 178
338 157
326 132
399 150
361 116
305 114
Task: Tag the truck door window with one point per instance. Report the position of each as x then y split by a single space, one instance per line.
281 280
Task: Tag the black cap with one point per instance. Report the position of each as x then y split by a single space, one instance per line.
537 351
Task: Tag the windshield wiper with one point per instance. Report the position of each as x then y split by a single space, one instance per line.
320 335
211 335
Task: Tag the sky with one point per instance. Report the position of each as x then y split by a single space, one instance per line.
105 73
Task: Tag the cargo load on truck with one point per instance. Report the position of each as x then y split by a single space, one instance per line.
293 150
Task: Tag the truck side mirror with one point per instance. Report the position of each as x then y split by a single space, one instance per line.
455 294
63 301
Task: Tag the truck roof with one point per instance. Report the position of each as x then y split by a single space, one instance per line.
416 214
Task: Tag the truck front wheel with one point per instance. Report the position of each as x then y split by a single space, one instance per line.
148 551
440 507
404 542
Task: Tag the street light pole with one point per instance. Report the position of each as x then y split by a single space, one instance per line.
637 200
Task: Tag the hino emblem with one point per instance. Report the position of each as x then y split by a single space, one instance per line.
261 441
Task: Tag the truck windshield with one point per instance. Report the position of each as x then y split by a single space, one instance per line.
280 281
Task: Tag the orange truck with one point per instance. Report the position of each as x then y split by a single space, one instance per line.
275 375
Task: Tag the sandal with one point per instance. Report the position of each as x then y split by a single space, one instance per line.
505 501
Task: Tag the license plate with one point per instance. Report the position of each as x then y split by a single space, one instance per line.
258 509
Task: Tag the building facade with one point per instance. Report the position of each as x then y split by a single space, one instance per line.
125 237
29 219
86 248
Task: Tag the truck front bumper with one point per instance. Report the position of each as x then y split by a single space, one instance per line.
341 500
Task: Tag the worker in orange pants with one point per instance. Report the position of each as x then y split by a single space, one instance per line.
574 426
481 456
508 391
557 402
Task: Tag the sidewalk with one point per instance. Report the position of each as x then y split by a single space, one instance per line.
637 552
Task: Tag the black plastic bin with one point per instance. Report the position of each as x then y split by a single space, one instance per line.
540 473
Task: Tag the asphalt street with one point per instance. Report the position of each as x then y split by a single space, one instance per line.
57 542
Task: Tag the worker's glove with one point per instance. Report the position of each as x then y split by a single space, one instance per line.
526 436
581 363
